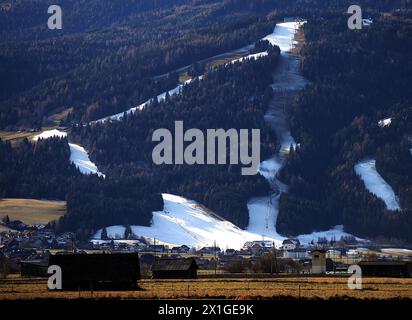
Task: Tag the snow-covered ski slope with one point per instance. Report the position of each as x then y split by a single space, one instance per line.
183 221
78 155
366 170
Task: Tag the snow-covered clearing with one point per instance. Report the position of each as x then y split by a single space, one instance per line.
287 81
78 155
49 134
183 221
385 122
335 233
80 158
375 184
283 35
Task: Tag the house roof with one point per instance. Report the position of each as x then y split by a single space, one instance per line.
174 264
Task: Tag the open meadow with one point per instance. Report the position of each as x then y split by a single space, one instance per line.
32 211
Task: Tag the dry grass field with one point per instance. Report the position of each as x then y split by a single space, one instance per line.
15 287
15 136
32 211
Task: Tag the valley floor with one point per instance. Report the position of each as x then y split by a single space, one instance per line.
286 287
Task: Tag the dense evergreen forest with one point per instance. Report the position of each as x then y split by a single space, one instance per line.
104 59
113 55
357 78
102 71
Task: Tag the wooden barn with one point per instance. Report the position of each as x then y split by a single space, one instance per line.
396 269
175 269
115 271
33 268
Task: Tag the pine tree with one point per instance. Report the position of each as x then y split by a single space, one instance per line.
6 220
104 235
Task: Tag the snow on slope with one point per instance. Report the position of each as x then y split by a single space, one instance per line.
335 233
80 158
385 122
284 34
263 213
49 134
375 184
78 155
184 221
251 56
140 107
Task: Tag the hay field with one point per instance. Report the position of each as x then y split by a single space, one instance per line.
32 211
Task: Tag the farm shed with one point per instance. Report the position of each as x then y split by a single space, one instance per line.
396 269
118 271
175 269
318 262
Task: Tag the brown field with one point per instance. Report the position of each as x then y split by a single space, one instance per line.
220 61
184 77
16 287
17 136
57 117
32 211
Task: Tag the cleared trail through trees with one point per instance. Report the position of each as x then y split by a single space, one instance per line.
287 82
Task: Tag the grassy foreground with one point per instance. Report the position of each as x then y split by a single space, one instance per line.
286 287
32 211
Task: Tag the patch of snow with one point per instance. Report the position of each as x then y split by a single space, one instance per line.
367 22
183 221
80 158
254 56
385 122
49 134
263 213
335 233
78 155
284 34
160 97
375 184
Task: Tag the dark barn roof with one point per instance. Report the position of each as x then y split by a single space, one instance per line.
174 265
175 269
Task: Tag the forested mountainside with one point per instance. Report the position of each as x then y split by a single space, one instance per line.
223 99
357 79
106 64
113 55
104 59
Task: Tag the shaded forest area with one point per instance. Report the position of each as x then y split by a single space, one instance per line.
106 63
104 59
357 78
